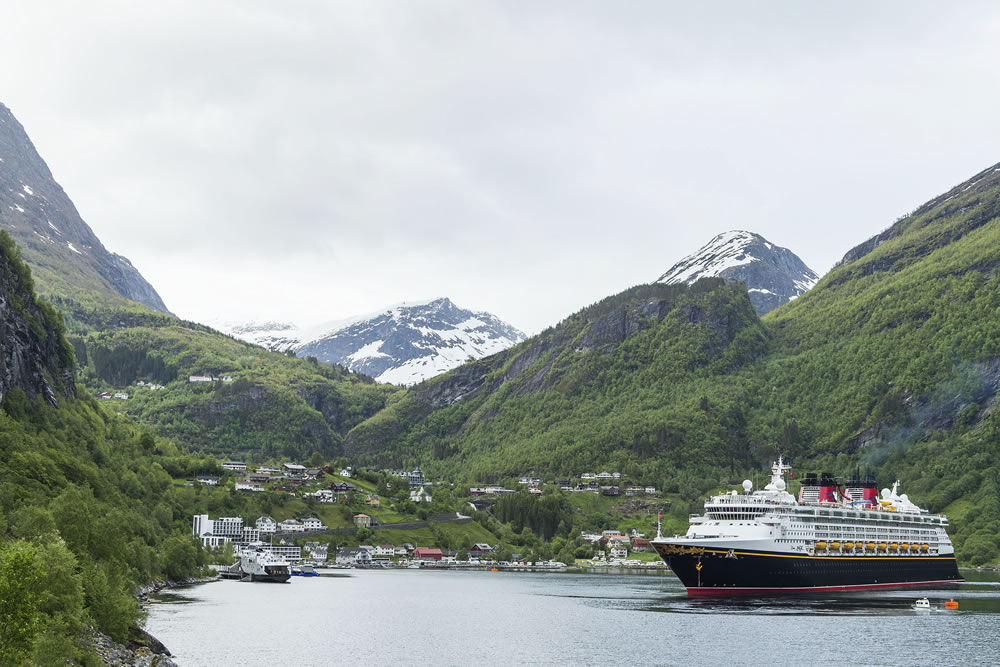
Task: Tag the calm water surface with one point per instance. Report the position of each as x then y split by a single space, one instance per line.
406 617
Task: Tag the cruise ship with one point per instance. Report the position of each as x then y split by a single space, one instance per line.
829 538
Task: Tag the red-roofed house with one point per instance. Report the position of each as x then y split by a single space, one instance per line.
423 553
640 544
362 521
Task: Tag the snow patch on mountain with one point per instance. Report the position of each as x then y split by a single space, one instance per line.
403 344
773 275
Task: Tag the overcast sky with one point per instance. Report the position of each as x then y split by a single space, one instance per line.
309 161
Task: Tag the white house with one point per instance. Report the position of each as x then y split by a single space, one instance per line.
121 396
291 526
208 480
400 551
249 486
199 378
619 551
313 523
353 556
324 496
268 470
346 472
266 524
385 550
420 495
318 552
234 465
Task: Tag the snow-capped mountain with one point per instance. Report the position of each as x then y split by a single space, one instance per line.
402 344
773 275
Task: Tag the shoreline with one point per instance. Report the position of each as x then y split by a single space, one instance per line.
142 649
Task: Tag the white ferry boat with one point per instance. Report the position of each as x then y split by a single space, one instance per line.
830 538
257 563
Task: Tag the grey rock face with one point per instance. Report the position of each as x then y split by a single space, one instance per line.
39 215
773 275
29 349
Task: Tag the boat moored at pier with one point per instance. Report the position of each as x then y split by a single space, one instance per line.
829 538
258 563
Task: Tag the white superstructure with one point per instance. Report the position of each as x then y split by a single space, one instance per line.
824 520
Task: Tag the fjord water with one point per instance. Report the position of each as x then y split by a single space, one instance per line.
405 617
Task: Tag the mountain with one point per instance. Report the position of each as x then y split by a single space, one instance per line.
66 258
773 275
891 363
402 344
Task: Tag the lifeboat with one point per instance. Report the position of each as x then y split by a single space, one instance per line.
848 546
951 604
905 546
869 546
924 548
821 546
834 546
894 547
882 546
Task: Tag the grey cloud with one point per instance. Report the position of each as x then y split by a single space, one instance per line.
529 157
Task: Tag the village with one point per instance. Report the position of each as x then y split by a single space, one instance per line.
334 511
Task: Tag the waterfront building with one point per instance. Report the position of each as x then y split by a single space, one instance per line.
353 556
214 532
424 553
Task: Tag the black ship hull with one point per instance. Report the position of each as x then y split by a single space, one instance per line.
270 578
707 571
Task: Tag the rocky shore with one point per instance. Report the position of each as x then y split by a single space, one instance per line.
143 649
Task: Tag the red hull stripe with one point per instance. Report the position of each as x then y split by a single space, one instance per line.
723 590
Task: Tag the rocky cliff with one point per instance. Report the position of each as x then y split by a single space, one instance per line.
62 250
34 355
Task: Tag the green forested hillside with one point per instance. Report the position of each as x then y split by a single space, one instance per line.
627 383
87 511
275 405
891 362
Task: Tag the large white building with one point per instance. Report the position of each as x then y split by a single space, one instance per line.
215 532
